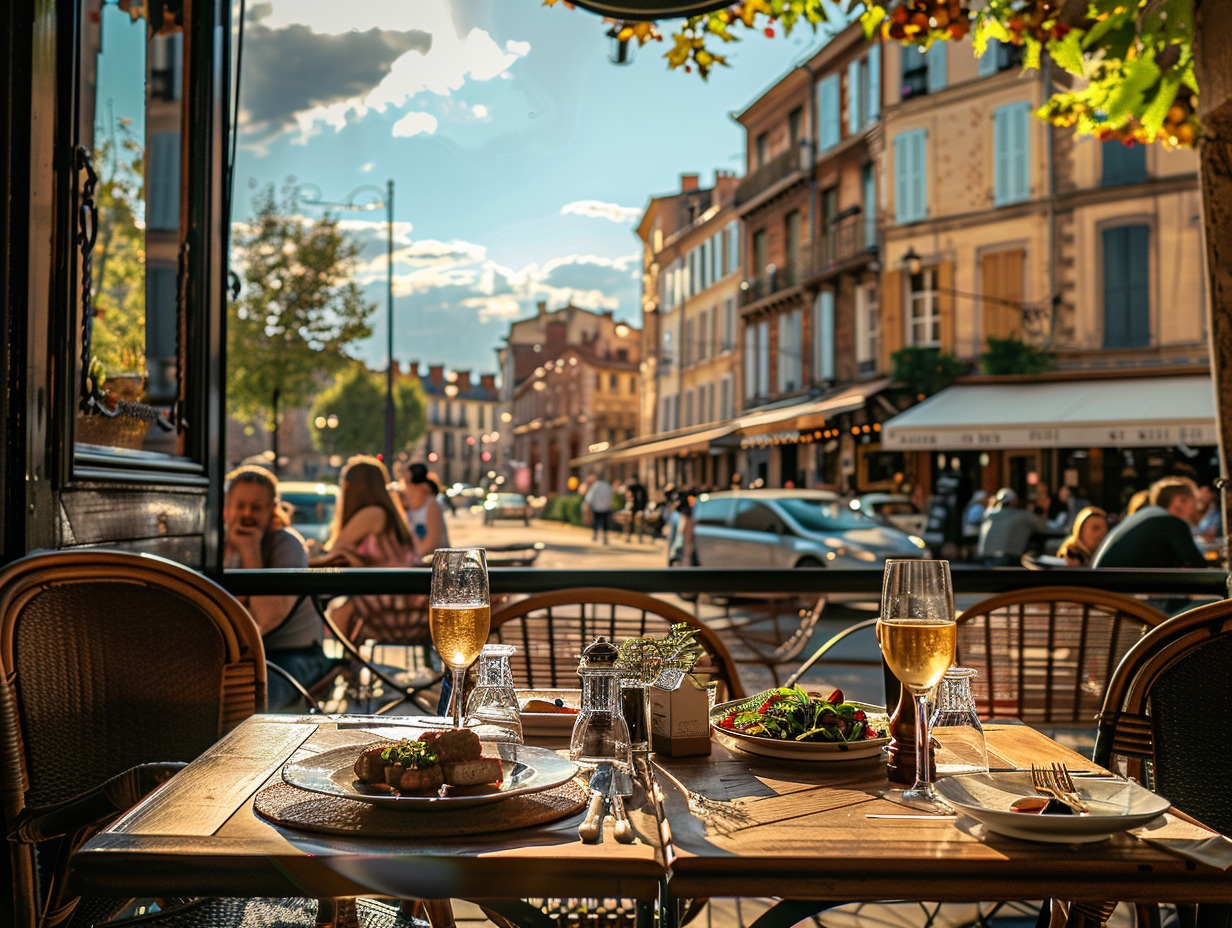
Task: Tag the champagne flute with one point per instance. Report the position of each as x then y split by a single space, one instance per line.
917 634
459 613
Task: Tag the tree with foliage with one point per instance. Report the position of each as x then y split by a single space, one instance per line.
117 344
349 417
925 371
300 310
1014 356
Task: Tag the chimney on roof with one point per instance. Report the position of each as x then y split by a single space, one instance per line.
436 375
543 308
413 369
464 383
487 382
688 182
397 369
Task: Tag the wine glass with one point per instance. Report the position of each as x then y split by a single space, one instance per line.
917 634
459 613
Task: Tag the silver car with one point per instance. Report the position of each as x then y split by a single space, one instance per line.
791 528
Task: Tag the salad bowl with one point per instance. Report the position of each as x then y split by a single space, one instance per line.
823 751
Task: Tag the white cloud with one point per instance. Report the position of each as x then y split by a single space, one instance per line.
367 168
479 111
452 60
494 307
596 209
414 123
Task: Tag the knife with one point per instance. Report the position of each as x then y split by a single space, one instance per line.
622 786
600 786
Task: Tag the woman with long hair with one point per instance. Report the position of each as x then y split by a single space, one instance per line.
1089 531
368 521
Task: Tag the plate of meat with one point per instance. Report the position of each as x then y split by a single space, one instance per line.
440 770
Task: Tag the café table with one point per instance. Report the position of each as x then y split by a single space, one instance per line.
716 825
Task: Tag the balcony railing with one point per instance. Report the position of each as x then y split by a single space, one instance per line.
844 242
784 165
775 279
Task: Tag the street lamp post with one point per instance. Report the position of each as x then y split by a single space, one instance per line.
311 194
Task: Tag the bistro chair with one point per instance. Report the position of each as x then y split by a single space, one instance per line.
1168 713
551 629
783 644
1044 655
118 669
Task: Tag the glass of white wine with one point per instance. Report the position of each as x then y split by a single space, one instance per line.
459 613
918 635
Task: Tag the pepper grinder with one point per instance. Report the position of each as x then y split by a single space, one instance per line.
600 732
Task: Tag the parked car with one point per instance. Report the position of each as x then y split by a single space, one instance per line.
506 506
894 509
790 528
312 507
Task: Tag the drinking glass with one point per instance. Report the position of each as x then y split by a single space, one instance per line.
459 613
492 709
963 748
917 634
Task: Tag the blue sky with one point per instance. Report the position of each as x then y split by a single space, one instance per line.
522 157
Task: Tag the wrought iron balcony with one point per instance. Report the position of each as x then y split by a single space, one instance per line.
846 242
775 278
792 161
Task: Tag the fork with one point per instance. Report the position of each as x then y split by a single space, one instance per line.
1042 781
1065 785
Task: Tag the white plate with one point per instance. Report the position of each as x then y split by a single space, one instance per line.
524 769
823 751
558 724
1116 805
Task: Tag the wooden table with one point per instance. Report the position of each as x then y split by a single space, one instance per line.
719 825
748 826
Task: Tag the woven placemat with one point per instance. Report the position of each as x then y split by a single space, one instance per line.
293 807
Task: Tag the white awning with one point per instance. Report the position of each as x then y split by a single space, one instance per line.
1129 412
811 414
681 442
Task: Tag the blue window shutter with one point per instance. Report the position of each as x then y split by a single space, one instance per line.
855 107
828 115
870 206
936 67
1011 153
1127 296
874 83
910 193
823 336
990 59
1122 164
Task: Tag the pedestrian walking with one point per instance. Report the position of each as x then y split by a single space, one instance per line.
598 500
639 498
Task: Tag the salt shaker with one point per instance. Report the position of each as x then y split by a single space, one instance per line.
956 724
600 733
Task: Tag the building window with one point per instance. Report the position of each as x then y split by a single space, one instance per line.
763 358
1121 163
702 344
791 259
923 71
729 324
1127 298
762 149
733 248
750 361
688 408
614 383
923 318
910 177
759 252
1011 153
725 394
794 119
999 56
829 114
823 337
868 181
790 353
868 328
857 79
686 347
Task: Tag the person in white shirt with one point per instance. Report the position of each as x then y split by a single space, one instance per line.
599 500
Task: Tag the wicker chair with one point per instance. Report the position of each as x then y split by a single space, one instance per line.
1168 712
1044 655
551 629
137 664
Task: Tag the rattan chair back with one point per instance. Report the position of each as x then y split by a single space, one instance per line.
1168 713
1044 655
551 629
111 660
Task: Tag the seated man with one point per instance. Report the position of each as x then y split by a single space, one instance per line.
1007 530
1157 535
257 536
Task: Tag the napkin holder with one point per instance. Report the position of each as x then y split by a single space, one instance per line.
680 716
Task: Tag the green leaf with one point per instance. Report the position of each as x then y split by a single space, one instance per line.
1127 98
1068 53
1156 109
871 21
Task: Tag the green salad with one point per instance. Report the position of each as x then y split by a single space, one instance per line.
788 713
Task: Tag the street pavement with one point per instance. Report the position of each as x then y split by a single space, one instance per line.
570 547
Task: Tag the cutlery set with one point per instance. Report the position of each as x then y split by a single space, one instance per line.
1056 782
608 788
